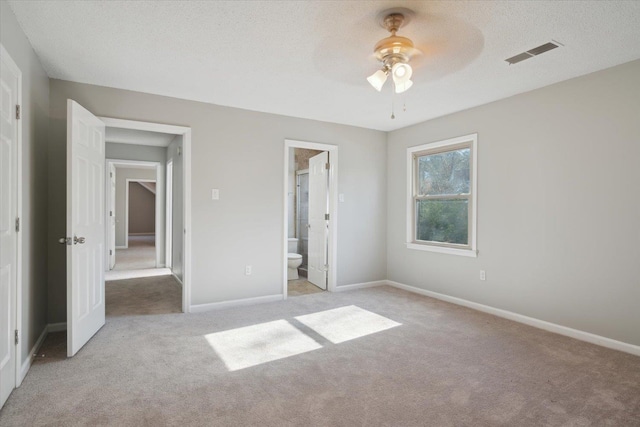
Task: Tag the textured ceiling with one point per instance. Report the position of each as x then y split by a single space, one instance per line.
310 58
138 137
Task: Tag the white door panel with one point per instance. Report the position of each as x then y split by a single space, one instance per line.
85 226
318 225
9 86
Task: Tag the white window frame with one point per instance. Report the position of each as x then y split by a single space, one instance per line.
469 250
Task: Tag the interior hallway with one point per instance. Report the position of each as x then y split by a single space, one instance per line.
140 254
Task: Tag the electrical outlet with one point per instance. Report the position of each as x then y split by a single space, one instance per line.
215 194
247 270
341 197
483 275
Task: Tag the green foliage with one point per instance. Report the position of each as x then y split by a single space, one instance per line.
443 174
443 221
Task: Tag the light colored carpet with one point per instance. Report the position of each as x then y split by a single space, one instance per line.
140 254
135 274
422 362
301 287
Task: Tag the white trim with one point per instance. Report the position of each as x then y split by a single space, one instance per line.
364 285
19 178
26 365
201 308
148 126
186 162
333 209
177 278
121 247
57 327
472 251
168 215
531 321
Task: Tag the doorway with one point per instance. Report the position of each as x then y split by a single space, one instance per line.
134 210
310 217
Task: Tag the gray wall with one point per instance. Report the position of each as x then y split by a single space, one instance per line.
558 213
122 174
142 210
135 152
177 229
35 133
241 153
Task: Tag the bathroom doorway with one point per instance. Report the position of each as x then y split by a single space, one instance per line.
309 217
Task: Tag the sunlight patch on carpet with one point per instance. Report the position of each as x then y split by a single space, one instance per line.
346 323
253 345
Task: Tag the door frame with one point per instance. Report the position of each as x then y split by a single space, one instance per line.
185 132
157 209
168 215
333 210
17 288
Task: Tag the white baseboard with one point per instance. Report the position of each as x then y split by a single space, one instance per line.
360 286
201 308
142 234
26 365
177 278
536 323
121 247
57 327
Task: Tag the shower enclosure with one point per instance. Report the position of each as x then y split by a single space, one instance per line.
302 215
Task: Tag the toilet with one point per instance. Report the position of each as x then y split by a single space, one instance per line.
294 260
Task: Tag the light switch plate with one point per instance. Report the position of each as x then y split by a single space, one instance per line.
341 197
215 194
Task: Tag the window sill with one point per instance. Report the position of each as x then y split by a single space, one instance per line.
443 250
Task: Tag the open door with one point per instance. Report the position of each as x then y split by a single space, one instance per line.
112 216
318 221
85 226
9 99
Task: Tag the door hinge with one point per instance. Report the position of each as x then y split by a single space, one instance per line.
17 335
110 213
326 217
110 252
17 225
327 166
110 174
18 112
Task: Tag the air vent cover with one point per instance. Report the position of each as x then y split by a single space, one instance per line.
533 52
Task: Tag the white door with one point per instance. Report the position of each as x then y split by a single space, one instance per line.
9 86
318 224
112 216
85 226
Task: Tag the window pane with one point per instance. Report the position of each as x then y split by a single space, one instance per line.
444 173
443 221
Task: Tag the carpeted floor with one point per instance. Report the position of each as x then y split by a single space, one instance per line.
140 254
377 356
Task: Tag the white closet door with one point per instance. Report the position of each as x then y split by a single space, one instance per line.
9 80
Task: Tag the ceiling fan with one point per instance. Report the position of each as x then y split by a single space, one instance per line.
394 52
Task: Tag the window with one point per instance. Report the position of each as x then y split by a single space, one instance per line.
441 202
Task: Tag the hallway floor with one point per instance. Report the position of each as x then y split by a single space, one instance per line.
140 254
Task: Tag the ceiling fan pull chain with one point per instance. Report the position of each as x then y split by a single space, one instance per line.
393 116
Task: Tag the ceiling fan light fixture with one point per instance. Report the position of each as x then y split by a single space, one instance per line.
377 79
401 72
404 86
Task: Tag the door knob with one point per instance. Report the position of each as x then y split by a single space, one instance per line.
64 240
77 240
308 225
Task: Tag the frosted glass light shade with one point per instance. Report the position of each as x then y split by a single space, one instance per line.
377 79
401 73
402 87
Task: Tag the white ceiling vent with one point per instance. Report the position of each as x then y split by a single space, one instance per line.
533 52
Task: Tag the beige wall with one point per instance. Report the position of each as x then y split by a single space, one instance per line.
558 207
241 153
35 134
142 210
